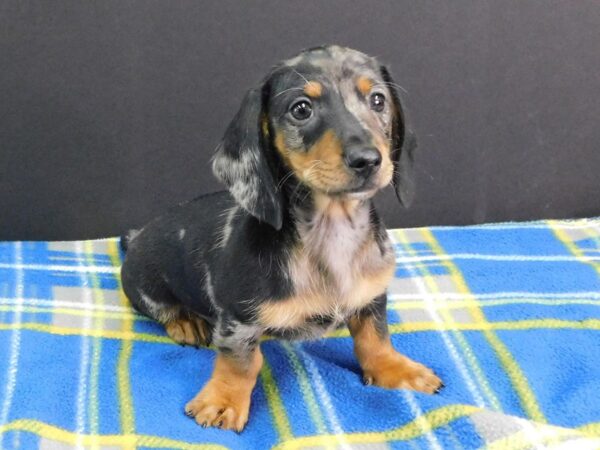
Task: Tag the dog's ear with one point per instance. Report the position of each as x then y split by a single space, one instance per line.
404 144
241 160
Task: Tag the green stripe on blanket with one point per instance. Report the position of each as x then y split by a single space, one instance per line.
507 314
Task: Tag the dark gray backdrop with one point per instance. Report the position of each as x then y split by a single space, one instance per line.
110 110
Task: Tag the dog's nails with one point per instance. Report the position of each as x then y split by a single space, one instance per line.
189 413
204 424
368 381
220 424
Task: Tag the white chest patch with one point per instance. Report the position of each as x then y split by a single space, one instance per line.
337 270
331 245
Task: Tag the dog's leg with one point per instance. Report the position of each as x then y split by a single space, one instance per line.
189 329
382 365
224 401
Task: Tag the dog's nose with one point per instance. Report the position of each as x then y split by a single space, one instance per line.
363 161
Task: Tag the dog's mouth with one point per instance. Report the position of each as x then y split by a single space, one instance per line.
367 187
363 189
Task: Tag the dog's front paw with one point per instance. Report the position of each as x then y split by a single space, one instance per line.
219 405
399 372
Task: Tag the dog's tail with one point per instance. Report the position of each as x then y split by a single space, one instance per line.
127 237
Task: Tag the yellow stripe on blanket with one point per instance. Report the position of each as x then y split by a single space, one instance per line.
276 407
98 298
125 398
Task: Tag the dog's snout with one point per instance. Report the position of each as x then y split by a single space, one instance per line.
363 161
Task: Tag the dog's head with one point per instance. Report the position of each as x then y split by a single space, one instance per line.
332 118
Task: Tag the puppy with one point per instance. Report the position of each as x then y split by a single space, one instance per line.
295 247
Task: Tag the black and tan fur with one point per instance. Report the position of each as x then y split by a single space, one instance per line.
295 247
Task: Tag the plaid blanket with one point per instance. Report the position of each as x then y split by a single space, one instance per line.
508 315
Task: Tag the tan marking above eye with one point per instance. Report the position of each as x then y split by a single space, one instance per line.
364 85
313 89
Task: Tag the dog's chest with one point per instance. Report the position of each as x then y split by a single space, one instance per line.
333 254
337 270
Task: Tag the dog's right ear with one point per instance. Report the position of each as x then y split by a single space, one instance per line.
404 144
241 161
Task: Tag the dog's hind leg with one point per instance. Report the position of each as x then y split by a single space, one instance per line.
156 301
189 329
181 326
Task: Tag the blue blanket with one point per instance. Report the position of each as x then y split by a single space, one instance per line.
508 315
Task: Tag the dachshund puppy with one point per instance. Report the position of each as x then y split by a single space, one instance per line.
295 247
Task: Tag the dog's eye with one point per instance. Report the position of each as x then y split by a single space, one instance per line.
301 110
377 102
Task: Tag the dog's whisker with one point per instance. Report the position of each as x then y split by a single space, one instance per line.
300 75
288 90
391 84
284 179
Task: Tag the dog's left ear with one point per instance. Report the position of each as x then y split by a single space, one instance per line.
241 161
404 144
